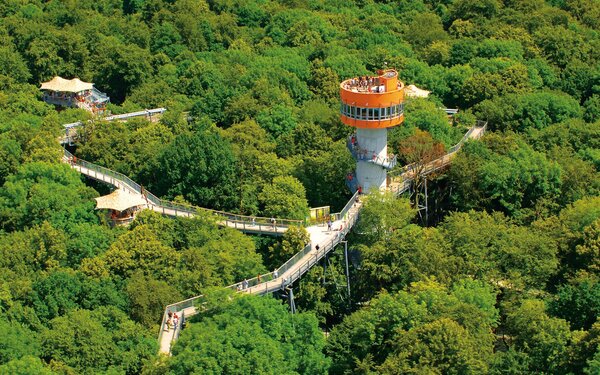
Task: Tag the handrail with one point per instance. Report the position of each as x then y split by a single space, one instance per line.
290 263
147 112
410 167
242 222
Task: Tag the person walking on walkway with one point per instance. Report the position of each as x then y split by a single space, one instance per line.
329 225
275 273
175 322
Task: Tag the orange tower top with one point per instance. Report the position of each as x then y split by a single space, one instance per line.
373 102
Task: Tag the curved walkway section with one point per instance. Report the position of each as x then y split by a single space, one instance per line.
247 224
322 241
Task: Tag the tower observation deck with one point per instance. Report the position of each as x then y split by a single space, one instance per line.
372 104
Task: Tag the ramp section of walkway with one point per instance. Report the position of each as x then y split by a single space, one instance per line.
71 129
402 180
322 241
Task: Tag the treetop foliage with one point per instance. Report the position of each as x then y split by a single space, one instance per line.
501 278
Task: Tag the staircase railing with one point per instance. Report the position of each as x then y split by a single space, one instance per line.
361 154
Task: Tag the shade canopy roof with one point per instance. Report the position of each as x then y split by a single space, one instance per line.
66 85
119 200
415 92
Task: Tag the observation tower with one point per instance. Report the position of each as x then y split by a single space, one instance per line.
372 104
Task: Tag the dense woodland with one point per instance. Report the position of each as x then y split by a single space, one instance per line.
503 277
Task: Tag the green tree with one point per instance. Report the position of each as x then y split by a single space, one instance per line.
292 241
285 197
27 365
93 341
543 338
442 346
323 173
45 192
381 215
235 338
140 250
520 112
17 342
200 166
148 297
502 176
578 302
399 329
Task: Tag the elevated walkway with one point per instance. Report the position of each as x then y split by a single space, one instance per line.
401 180
322 241
326 241
247 224
71 128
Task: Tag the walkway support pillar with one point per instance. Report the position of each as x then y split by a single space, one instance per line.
347 270
291 299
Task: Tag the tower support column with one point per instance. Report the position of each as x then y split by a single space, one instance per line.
369 171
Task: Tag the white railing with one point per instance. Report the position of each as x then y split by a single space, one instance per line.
479 127
241 222
144 113
407 173
299 263
361 154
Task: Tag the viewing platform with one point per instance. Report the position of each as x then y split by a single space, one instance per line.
74 93
372 102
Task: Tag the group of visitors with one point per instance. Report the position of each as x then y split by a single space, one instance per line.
363 82
172 321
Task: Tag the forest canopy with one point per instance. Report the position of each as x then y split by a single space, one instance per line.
500 276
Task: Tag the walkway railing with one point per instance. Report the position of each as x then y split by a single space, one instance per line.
176 307
71 127
298 264
165 207
144 113
479 127
349 221
407 173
